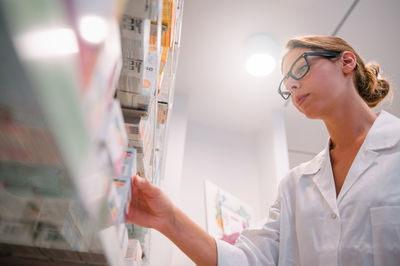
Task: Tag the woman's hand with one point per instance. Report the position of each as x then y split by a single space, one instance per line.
149 206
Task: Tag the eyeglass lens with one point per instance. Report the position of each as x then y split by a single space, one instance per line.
298 70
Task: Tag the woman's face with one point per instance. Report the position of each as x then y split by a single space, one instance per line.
317 92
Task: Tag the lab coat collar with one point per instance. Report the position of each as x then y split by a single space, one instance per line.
384 133
313 166
319 169
324 181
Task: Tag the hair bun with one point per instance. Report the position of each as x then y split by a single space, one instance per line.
375 88
374 68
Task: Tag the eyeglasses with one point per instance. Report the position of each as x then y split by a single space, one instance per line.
300 68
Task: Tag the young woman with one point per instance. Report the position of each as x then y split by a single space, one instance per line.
340 208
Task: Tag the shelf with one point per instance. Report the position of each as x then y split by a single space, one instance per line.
65 160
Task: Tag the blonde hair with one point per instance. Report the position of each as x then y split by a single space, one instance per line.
370 86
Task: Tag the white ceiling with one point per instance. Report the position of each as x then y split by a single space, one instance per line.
211 69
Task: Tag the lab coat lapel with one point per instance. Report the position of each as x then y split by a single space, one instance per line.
361 163
323 180
384 134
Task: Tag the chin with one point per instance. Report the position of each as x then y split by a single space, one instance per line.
310 114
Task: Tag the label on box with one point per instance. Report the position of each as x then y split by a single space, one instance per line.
135 36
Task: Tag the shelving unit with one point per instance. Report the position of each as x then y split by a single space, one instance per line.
70 125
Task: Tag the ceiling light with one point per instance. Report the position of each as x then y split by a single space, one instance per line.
261 54
260 64
93 29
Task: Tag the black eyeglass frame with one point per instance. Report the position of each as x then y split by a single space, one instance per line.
328 54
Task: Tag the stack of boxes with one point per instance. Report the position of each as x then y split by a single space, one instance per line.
123 189
140 132
137 86
137 83
147 77
120 197
131 90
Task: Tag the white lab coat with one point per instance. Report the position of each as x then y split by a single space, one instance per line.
309 226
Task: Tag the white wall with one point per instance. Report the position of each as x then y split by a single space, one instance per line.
298 157
273 158
226 159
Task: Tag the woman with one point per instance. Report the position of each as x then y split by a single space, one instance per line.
340 208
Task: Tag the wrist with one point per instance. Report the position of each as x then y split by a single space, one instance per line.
168 223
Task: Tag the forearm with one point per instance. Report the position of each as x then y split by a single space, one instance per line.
191 239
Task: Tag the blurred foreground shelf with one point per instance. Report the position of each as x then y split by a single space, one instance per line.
86 93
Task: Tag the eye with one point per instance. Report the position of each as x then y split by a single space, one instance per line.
300 70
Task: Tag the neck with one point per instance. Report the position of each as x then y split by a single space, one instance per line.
349 124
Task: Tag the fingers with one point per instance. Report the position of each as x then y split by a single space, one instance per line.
145 186
143 192
139 181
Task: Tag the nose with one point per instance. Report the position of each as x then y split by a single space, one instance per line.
292 84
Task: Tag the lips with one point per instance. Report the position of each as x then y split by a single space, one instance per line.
301 98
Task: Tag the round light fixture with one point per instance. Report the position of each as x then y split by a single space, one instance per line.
93 29
260 64
261 52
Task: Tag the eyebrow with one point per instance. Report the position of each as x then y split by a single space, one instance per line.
285 75
283 59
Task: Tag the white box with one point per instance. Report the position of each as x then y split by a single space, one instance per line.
135 37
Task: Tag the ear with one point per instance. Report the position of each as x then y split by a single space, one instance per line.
349 62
